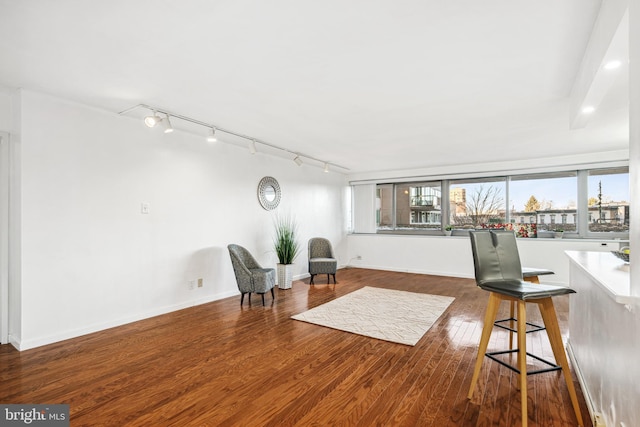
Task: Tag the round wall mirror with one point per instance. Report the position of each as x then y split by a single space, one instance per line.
269 193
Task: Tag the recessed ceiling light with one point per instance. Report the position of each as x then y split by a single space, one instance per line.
612 65
588 109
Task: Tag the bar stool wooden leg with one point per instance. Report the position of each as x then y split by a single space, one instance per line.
489 318
548 313
512 304
512 315
522 358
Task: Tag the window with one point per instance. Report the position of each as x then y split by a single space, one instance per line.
548 196
474 203
583 203
608 200
409 206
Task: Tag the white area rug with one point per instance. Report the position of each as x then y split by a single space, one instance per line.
386 314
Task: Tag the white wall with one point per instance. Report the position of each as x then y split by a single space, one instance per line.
634 139
90 259
5 109
451 256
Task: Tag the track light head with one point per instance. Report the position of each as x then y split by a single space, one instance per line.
298 160
211 137
252 146
152 120
326 167
167 125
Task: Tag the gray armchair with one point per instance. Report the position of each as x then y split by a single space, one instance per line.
250 275
321 259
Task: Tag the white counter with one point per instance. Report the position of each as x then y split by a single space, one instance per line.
609 272
604 336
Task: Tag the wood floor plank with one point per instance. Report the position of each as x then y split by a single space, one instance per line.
222 364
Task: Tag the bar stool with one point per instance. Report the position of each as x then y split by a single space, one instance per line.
498 271
529 274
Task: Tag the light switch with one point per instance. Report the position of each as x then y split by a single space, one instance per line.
145 208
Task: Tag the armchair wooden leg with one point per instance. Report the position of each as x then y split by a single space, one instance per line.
328 280
262 295
334 278
311 281
489 318
241 299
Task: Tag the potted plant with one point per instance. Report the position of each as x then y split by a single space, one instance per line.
558 233
448 229
287 249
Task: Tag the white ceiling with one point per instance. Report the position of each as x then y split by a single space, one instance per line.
371 85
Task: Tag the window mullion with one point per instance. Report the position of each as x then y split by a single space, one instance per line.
582 210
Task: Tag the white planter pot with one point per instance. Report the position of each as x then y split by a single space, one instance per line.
285 275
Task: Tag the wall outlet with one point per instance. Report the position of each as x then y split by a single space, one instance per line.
598 420
145 208
191 284
200 283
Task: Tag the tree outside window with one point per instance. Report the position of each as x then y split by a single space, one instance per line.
475 203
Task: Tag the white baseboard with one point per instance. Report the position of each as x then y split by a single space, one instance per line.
593 413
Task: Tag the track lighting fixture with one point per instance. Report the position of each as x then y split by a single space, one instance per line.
154 119
211 137
167 125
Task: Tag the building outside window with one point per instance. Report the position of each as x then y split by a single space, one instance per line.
608 203
548 195
409 206
384 207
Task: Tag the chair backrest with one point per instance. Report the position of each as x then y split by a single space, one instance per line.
495 255
242 256
319 247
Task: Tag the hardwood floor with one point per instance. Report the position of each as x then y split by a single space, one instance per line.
221 365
